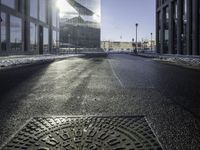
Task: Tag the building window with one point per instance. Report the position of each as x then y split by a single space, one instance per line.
46 40
9 3
43 10
33 37
54 40
3 31
176 9
58 21
54 17
175 28
34 8
159 19
199 28
15 33
58 40
167 13
166 40
166 35
20 5
185 7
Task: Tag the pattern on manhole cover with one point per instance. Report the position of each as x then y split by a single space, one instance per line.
85 133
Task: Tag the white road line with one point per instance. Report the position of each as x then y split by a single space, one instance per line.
115 74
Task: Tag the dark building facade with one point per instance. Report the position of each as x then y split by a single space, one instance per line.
178 27
29 27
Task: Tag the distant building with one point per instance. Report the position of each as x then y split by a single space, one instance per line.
116 45
127 46
80 24
178 26
148 44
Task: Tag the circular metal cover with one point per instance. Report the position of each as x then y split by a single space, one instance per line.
85 133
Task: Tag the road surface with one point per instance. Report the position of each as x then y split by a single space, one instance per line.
117 85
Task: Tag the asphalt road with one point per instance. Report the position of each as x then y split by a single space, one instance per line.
117 85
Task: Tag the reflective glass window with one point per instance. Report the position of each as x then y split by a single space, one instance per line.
166 35
54 17
15 33
185 7
57 39
3 31
34 8
43 10
33 37
176 9
9 3
54 40
46 40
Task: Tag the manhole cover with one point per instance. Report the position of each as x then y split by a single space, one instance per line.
85 133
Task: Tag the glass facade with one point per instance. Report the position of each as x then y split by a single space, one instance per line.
15 33
26 29
80 23
33 36
34 8
9 3
45 40
3 31
43 10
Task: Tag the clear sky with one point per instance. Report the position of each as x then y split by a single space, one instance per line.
119 18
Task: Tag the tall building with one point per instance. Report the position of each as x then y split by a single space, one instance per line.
80 24
29 27
178 26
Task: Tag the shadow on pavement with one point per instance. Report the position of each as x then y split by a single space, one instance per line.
12 78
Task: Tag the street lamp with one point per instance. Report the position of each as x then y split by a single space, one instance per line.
136 44
151 41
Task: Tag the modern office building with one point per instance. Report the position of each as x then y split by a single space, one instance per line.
29 27
178 26
80 24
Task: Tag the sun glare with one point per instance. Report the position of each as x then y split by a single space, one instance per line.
64 6
96 18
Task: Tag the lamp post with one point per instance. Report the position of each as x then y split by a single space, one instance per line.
151 41
136 44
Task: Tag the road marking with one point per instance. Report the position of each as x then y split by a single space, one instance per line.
120 82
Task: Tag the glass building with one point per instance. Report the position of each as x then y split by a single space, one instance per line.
178 26
29 27
80 23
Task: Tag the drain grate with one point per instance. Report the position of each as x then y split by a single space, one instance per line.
85 133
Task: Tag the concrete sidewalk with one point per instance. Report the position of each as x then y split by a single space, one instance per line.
187 61
22 60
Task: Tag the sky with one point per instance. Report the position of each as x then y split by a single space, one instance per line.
120 16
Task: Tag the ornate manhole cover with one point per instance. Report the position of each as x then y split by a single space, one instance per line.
85 133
